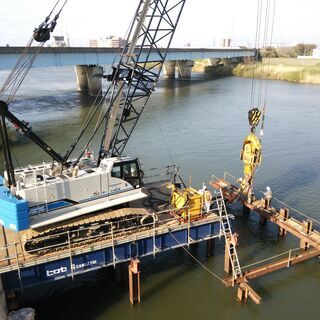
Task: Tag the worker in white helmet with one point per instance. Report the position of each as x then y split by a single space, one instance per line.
268 197
207 197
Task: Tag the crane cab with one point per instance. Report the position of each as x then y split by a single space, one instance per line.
128 169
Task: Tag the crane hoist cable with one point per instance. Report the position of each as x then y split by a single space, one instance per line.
264 28
134 76
251 153
264 23
21 68
99 102
268 69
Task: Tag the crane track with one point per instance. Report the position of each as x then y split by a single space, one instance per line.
86 230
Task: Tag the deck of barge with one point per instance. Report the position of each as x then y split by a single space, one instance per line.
20 269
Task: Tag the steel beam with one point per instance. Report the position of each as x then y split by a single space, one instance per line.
274 266
134 281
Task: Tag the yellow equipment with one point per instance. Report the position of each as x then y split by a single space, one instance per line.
254 117
187 197
251 157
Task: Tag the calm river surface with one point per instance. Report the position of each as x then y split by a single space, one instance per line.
200 126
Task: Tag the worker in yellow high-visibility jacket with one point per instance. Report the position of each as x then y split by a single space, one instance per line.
251 157
207 198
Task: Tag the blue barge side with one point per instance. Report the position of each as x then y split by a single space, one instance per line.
22 270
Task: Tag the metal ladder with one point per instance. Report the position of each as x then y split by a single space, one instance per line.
227 232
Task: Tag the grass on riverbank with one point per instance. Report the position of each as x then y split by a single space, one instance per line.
293 70
219 70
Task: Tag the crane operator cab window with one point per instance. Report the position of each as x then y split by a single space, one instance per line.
128 171
116 171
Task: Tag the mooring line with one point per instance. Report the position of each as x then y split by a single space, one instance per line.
270 258
297 211
193 257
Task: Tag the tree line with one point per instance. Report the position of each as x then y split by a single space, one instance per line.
300 49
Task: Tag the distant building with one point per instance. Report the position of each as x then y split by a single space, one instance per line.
108 42
316 53
60 41
225 43
93 43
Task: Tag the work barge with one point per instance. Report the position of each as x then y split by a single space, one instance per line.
167 230
75 215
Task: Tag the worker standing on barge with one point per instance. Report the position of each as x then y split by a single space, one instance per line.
207 198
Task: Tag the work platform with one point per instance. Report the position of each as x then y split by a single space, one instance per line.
303 230
168 232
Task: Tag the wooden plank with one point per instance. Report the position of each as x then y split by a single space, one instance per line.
274 266
301 230
227 262
295 229
134 281
251 293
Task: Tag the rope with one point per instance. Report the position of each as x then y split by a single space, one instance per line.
16 66
162 133
264 43
271 39
49 15
263 25
154 202
197 260
193 257
24 69
291 208
255 45
297 211
24 62
99 101
270 258
264 103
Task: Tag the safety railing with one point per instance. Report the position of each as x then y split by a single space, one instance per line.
14 256
166 173
228 174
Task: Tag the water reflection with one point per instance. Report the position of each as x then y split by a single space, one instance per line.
200 125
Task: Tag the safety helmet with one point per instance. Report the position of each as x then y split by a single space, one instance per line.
204 187
268 188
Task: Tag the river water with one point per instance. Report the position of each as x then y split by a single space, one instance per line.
199 125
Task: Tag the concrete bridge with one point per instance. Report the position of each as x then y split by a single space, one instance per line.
88 61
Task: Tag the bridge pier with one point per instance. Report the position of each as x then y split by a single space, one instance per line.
214 61
169 69
184 69
212 65
231 61
89 79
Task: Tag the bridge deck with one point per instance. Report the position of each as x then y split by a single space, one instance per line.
71 56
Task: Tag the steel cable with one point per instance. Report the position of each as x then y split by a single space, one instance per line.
196 259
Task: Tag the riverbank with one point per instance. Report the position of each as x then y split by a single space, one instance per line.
287 69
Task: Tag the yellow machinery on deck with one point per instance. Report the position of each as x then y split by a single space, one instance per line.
251 151
185 201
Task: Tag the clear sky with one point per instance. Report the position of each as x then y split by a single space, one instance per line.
203 23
